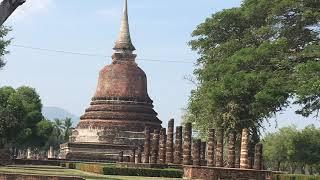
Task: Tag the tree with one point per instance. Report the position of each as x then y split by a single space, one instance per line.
249 63
3 44
21 121
279 148
289 148
67 128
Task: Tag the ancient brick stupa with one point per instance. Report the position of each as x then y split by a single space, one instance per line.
120 109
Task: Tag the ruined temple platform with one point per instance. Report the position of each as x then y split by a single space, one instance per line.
220 173
97 152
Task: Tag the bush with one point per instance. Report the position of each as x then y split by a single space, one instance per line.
171 173
110 169
295 177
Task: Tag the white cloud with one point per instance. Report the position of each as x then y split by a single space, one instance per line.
32 8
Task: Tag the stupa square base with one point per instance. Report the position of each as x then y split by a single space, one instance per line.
94 152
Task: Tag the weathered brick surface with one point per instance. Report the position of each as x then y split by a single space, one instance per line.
121 100
162 146
216 173
187 135
244 154
231 149
258 157
219 148
178 146
203 150
147 145
169 146
211 147
120 159
155 147
196 146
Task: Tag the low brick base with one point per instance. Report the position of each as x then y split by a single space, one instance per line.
215 173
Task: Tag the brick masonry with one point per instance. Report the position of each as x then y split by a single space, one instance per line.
218 173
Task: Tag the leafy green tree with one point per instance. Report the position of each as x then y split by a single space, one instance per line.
278 148
289 148
67 128
22 124
306 147
249 62
3 44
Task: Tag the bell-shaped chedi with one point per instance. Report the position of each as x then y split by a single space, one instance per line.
121 101
120 110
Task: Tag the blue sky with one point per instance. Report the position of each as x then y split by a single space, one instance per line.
159 30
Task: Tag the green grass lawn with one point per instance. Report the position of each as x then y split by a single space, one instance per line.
59 171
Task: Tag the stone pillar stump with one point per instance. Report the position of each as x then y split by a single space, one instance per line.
178 146
162 146
219 148
244 155
155 147
203 153
211 147
169 148
120 157
258 157
147 141
196 152
231 150
187 135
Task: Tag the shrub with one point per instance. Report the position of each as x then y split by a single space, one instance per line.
295 177
172 173
110 169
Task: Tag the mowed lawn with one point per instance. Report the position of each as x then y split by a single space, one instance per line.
59 171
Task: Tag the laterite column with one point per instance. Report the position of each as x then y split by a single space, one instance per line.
178 146
133 156
162 146
231 150
219 149
211 144
155 147
120 158
258 157
244 159
169 150
203 153
187 135
196 152
139 155
147 142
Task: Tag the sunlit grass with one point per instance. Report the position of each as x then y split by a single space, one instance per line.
59 171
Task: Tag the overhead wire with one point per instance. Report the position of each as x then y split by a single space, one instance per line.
185 61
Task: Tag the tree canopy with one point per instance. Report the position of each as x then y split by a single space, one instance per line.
290 148
21 121
253 59
3 44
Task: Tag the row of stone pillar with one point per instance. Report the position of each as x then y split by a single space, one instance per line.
160 148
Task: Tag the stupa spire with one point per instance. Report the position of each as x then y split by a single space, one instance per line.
124 43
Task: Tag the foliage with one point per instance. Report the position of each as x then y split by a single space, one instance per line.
295 177
3 44
252 60
62 129
278 147
112 170
21 121
290 148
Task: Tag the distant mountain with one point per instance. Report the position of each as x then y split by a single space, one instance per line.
52 113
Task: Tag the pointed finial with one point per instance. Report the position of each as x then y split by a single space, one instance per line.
124 44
